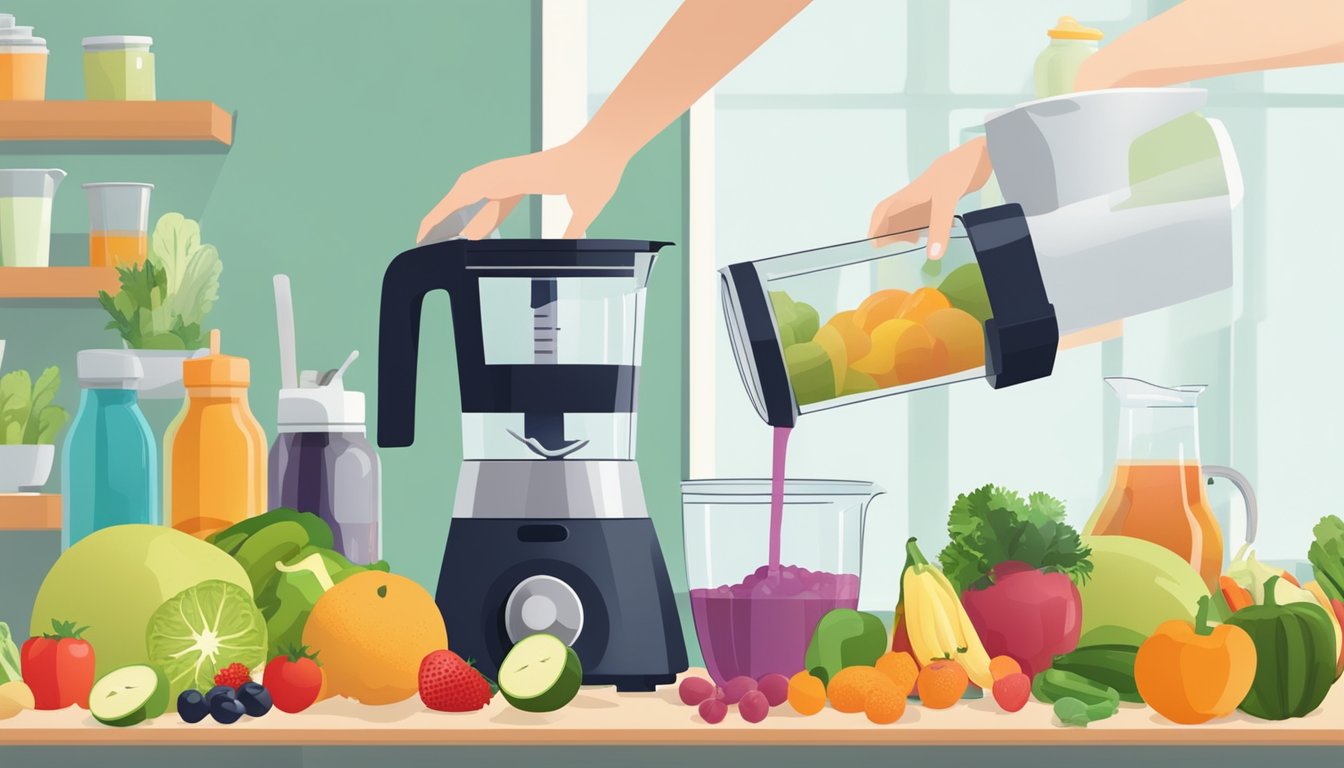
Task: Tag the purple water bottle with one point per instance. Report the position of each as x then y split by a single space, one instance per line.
321 462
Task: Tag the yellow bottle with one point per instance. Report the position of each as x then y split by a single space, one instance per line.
216 450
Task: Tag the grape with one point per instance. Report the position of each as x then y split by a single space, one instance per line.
753 707
735 689
694 690
775 687
713 711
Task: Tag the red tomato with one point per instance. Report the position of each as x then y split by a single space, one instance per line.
58 667
294 679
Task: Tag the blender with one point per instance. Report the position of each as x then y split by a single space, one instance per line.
1093 231
549 530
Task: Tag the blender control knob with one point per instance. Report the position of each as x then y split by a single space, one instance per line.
543 604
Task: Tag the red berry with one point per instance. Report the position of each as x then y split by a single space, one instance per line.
713 711
233 676
753 707
735 689
775 687
694 690
449 684
1012 691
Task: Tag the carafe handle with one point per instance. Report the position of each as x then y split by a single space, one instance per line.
1247 493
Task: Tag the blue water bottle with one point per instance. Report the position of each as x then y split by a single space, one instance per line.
110 462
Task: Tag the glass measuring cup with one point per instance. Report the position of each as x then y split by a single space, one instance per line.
118 223
1157 486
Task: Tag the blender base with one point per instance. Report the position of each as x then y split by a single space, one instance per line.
607 576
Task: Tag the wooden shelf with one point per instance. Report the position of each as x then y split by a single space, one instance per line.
56 282
600 716
30 512
202 121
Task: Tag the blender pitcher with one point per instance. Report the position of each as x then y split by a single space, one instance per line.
1157 488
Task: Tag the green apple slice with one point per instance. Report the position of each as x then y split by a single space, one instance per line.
540 674
129 695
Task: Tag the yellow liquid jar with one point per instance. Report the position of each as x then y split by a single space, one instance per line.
118 68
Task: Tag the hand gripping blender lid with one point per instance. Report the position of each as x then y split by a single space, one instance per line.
1089 235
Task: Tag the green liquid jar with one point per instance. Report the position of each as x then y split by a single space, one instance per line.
118 68
1057 66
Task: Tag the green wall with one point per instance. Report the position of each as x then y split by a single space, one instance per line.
353 118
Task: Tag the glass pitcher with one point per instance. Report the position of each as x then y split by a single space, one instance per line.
1157 488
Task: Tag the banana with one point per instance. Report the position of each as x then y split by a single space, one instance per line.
936 621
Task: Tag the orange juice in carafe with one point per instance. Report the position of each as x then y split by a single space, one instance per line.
215 450
1157 486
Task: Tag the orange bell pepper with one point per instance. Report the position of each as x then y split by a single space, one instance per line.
1236 595
1193 674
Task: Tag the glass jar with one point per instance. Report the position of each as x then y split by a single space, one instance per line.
751 618
1057 66
118 68
118 223
334 474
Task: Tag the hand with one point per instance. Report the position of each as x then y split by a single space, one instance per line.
586 175
931 200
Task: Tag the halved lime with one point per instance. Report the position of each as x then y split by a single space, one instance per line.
203 629
540 674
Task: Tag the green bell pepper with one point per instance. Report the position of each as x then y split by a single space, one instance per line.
844 638
1295 656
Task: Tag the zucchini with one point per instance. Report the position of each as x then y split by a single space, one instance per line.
1109 665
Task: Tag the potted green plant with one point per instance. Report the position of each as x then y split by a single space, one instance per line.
161 305
28 427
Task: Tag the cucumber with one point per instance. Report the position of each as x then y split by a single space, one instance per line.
129 695
1055 684
540 674
1109 665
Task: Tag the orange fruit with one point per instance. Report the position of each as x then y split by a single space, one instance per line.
903 352
880 307
371 632
941 684
807 694
850 688
885 705
856 339
1003 666
922 303
901 668
962 335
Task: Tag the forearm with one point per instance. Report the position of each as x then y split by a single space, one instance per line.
702 42
1208 38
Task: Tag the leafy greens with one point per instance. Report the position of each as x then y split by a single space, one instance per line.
10 669
27 416
1327 556
993 525
163 302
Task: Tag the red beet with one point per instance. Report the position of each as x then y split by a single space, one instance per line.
1027 614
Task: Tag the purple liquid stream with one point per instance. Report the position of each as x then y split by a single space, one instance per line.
777 464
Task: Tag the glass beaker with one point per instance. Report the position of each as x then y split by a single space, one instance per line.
25 215
118 223
749 620
1157 487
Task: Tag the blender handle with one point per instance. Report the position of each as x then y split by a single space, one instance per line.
1247 493
408 279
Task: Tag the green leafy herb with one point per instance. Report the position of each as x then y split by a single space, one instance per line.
163 302
27 416
9 656
1327 556
993 525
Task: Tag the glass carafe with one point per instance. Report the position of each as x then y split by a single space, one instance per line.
1157 487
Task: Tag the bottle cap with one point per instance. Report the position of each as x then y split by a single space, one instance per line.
320 403
1068 28
215 369
108 369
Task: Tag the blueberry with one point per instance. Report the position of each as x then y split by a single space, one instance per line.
224 707
216 692
192 707
255 698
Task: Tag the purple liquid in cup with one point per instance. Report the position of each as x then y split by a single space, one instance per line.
764 623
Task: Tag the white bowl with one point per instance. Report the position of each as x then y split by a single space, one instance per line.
25 468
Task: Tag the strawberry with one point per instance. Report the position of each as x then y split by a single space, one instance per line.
449 684
1012 691
233 676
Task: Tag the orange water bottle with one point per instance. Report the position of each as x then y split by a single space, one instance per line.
215 449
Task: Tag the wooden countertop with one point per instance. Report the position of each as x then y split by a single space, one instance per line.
600 716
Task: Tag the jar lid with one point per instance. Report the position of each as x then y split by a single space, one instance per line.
216 369
114 42
108 368
1068 28
6 20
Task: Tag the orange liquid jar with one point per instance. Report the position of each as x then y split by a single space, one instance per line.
117 249
1157 487
216 450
